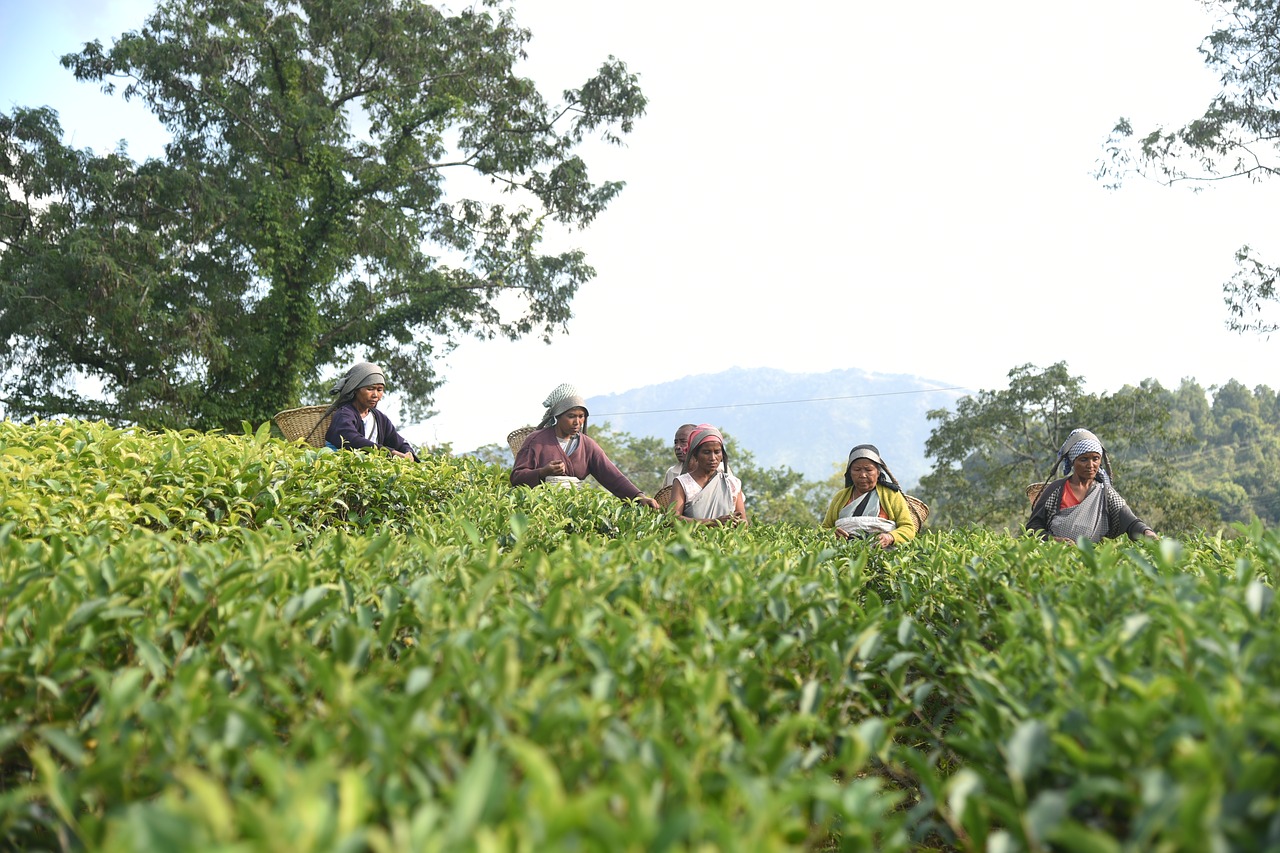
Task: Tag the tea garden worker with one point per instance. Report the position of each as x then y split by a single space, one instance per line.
871 504
705 491
680 444
357 424
1084 503
560 448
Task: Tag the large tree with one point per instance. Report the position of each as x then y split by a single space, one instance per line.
1238 136
298 216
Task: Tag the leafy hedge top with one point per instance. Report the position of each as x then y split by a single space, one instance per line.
347 651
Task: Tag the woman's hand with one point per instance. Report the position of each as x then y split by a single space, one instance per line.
841 533
886 541
554 468
645 500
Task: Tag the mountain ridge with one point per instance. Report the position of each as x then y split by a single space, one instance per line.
807 421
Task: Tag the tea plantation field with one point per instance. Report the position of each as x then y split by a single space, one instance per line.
228 643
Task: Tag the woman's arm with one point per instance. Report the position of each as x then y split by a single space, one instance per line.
607 474
531 462
1123 520
345 430
676 507
833 509
393 440
1040 515
833 512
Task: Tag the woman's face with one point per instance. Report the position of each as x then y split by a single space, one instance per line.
681 444
369 396
1085 467
708 455
570 423
864 474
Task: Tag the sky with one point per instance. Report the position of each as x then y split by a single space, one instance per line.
900 188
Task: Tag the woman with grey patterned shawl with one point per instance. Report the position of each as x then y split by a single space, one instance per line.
1084 503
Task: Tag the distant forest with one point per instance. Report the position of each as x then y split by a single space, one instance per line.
1232 458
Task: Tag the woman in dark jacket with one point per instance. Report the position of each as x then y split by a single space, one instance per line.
357 424
1084 503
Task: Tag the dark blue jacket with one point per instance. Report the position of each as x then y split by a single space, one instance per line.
347 431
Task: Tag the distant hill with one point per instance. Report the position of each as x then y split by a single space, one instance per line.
805 420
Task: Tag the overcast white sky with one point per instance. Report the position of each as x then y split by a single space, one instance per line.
902 188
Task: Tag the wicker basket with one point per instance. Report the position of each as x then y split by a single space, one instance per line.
515 438
308 423
919 510
1033 492
663 497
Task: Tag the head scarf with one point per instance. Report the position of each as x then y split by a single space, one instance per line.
869 451
700 434
1079 442
361 375
559 401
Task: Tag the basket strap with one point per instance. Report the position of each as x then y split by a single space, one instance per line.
333 407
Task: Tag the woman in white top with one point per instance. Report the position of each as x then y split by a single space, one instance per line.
704 492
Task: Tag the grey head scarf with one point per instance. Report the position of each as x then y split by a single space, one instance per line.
559 401
359 376
870 451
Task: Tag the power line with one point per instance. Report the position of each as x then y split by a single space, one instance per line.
781 402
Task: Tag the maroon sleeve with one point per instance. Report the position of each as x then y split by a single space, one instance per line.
605 472
530 458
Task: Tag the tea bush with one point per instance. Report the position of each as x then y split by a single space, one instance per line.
217 642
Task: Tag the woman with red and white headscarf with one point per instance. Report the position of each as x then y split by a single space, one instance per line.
1084 503
706 492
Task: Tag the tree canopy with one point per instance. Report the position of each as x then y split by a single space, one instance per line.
1238 136
311 206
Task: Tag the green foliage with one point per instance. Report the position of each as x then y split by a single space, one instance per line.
1236 137
299 215
469 666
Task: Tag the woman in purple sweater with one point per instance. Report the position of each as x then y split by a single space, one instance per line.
559 448
357 424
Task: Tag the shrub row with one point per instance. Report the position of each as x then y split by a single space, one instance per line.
386 656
